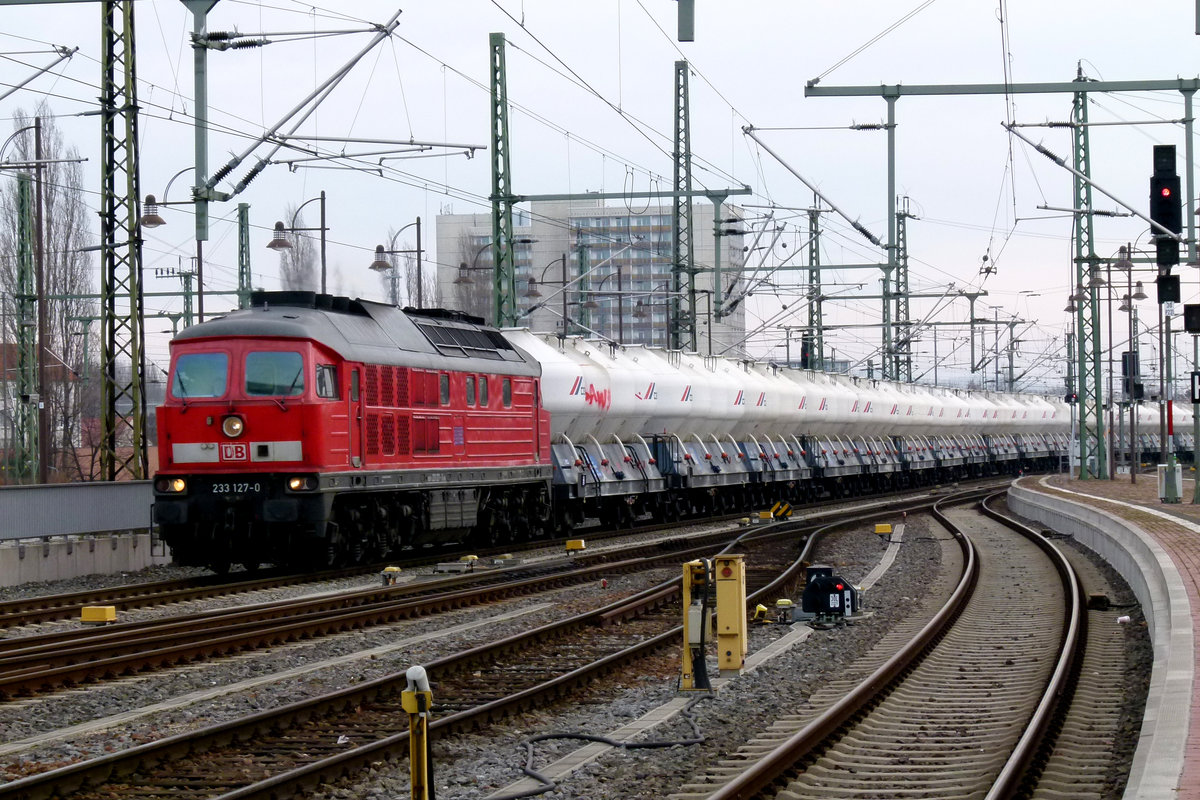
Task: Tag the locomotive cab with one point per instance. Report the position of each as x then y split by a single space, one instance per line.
234 483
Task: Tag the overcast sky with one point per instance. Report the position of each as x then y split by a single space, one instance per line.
592 88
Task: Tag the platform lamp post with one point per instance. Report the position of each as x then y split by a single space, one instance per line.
591 303
380 264
1131 365
532 293
279 240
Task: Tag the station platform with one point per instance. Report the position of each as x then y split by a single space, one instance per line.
1156 548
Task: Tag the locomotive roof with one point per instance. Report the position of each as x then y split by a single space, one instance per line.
373 333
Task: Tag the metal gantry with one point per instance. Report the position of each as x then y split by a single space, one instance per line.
683 269
1086 351
122 444
503 261
1092 452
27 450
902 341
245 278
683 323
816 314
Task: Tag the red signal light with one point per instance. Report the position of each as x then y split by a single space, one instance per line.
1166 191
840 587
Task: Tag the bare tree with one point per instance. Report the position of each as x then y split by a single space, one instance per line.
404 260
298 265
474 293
427 276
69 283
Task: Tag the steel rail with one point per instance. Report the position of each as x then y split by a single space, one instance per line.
1033 745
154 754
767 770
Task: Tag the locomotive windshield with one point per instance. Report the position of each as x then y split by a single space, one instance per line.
274 374
200 375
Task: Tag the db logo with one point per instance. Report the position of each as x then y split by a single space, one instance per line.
231 451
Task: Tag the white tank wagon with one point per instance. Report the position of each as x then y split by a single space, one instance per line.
870 420
639 431
781 423
915 423
1000 427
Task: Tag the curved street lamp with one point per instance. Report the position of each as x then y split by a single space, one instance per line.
280 242
380 264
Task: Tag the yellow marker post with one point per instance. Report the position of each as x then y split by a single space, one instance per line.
732 644
417 700
696 624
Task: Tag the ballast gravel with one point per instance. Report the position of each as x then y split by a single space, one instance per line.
477 765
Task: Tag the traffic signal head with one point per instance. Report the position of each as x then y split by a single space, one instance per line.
1168 288
1165 207
1166 251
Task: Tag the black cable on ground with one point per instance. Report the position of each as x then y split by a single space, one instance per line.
547 784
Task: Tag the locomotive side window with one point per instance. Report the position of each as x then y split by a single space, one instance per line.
483 393
274 374
445 389
506 391
200 375
327 385
470 390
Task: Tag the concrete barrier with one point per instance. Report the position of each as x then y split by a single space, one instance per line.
57 558
1148 569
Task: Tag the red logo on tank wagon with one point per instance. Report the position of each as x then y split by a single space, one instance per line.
234 451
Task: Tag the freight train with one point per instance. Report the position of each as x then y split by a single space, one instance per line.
308 429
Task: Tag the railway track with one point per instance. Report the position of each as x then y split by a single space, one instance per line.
49 608
343 731
963 709
35 664
39 663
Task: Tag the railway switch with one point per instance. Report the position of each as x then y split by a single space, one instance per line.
697 624
576 546
417 700
730 574
390 575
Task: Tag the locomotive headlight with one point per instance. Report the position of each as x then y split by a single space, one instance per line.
302 483
170 485
232 426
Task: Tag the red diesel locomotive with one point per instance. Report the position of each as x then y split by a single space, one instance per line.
312 429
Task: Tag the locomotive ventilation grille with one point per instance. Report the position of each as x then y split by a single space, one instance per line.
468 342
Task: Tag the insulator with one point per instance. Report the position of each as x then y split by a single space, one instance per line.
220 174
245 44
253 173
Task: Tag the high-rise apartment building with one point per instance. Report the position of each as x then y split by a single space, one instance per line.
615 262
